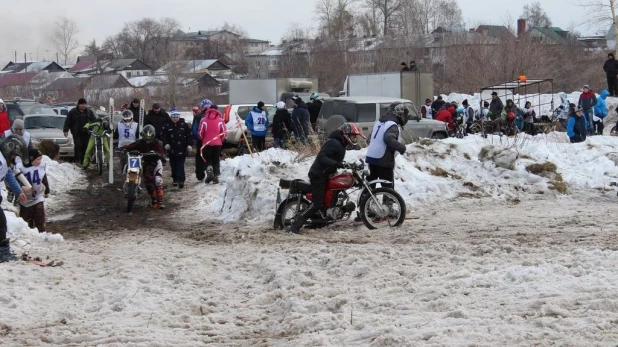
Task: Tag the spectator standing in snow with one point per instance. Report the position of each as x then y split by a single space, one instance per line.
446 116
413 66
198 114
468 115
529 118
437 105
32 209
484 115
300 119
75 121
512 108
577 126
177 140
426 111
611 71
281 125
314 106
495 106
134 108
600 112
587 101
213 133
5 123
257 123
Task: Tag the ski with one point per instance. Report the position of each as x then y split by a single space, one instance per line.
111 141
142 110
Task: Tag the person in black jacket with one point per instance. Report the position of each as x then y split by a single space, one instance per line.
75 121
328 160
281 125
314 106
177 140
134 108
437 105
158 118
611 71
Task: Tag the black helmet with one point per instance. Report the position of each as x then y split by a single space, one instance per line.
148 133
400 111
14 145
127 116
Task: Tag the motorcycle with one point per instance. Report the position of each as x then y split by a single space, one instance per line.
97 157
133 176
377 206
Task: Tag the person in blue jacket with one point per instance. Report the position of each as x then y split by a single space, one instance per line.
257 123
600 112
11 147
577 126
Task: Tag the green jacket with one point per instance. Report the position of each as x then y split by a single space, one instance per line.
97 126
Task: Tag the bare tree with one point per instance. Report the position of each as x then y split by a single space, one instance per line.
64 37
600 12
387 9
535 16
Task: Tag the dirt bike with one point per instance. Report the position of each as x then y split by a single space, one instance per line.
377 206
133 176
98 156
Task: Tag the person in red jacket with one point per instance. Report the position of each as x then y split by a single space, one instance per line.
446 116
5 124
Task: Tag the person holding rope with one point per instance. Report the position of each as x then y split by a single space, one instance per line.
212 133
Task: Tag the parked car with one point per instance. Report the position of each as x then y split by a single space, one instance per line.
229 116
366 110
18 108
49 128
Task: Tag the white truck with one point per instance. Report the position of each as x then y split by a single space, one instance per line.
409 85
271 90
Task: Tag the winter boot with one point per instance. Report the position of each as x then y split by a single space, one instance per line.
175 184
5 251
160 198
210 175
181 184
215 180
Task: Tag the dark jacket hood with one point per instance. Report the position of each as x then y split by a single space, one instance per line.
335 134
389 116
302 105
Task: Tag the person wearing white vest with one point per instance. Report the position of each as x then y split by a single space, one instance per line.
126 132
32 210
384 141
426 110
257 123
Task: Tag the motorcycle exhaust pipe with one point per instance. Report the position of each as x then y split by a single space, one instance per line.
21 178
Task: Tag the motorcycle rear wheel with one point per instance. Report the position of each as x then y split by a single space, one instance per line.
393 211
288 210
100 162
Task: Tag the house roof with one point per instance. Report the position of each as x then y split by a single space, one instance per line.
84 65
119 64
184 79
86 58
554 33
66 83
254 41
188 66
494 30
16 79
108 81
200 34
33 66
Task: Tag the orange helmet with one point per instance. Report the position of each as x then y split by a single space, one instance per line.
349 131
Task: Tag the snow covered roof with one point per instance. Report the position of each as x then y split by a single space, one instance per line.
190 66
35 66
66 83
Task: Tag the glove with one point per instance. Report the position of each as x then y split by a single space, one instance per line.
339 165
168 147
189 149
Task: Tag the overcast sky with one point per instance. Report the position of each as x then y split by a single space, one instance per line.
25 27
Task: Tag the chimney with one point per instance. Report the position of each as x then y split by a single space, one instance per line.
521 27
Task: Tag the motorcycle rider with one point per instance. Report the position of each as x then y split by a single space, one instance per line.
328 160
152 165
126 132
10 148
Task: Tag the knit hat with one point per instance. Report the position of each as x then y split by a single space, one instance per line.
81 101
610 55
281 104
33 154
465 102
586 86
135 101
174 113
156 106
206 103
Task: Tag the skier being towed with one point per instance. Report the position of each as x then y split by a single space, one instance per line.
152 164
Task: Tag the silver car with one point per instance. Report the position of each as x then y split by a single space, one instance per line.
49 128
366 110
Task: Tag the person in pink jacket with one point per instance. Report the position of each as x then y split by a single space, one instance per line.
212 133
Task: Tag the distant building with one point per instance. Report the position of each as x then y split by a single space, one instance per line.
214 67
126 67
33 66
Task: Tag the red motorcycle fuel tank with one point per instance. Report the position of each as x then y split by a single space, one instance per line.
341 181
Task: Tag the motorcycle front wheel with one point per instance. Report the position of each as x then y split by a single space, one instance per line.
131 195
387 209
288 210
100 162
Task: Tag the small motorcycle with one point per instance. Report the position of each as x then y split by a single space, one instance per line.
98 156
377 206
133 176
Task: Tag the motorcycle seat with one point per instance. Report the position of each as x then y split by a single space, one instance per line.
303 186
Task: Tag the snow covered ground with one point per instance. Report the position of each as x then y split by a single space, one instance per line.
502 253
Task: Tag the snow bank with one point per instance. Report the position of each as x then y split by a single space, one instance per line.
430 172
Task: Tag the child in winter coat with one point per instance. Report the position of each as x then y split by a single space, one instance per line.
577 126
176 136
600 112
32 210
281 125
529 118
212 133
